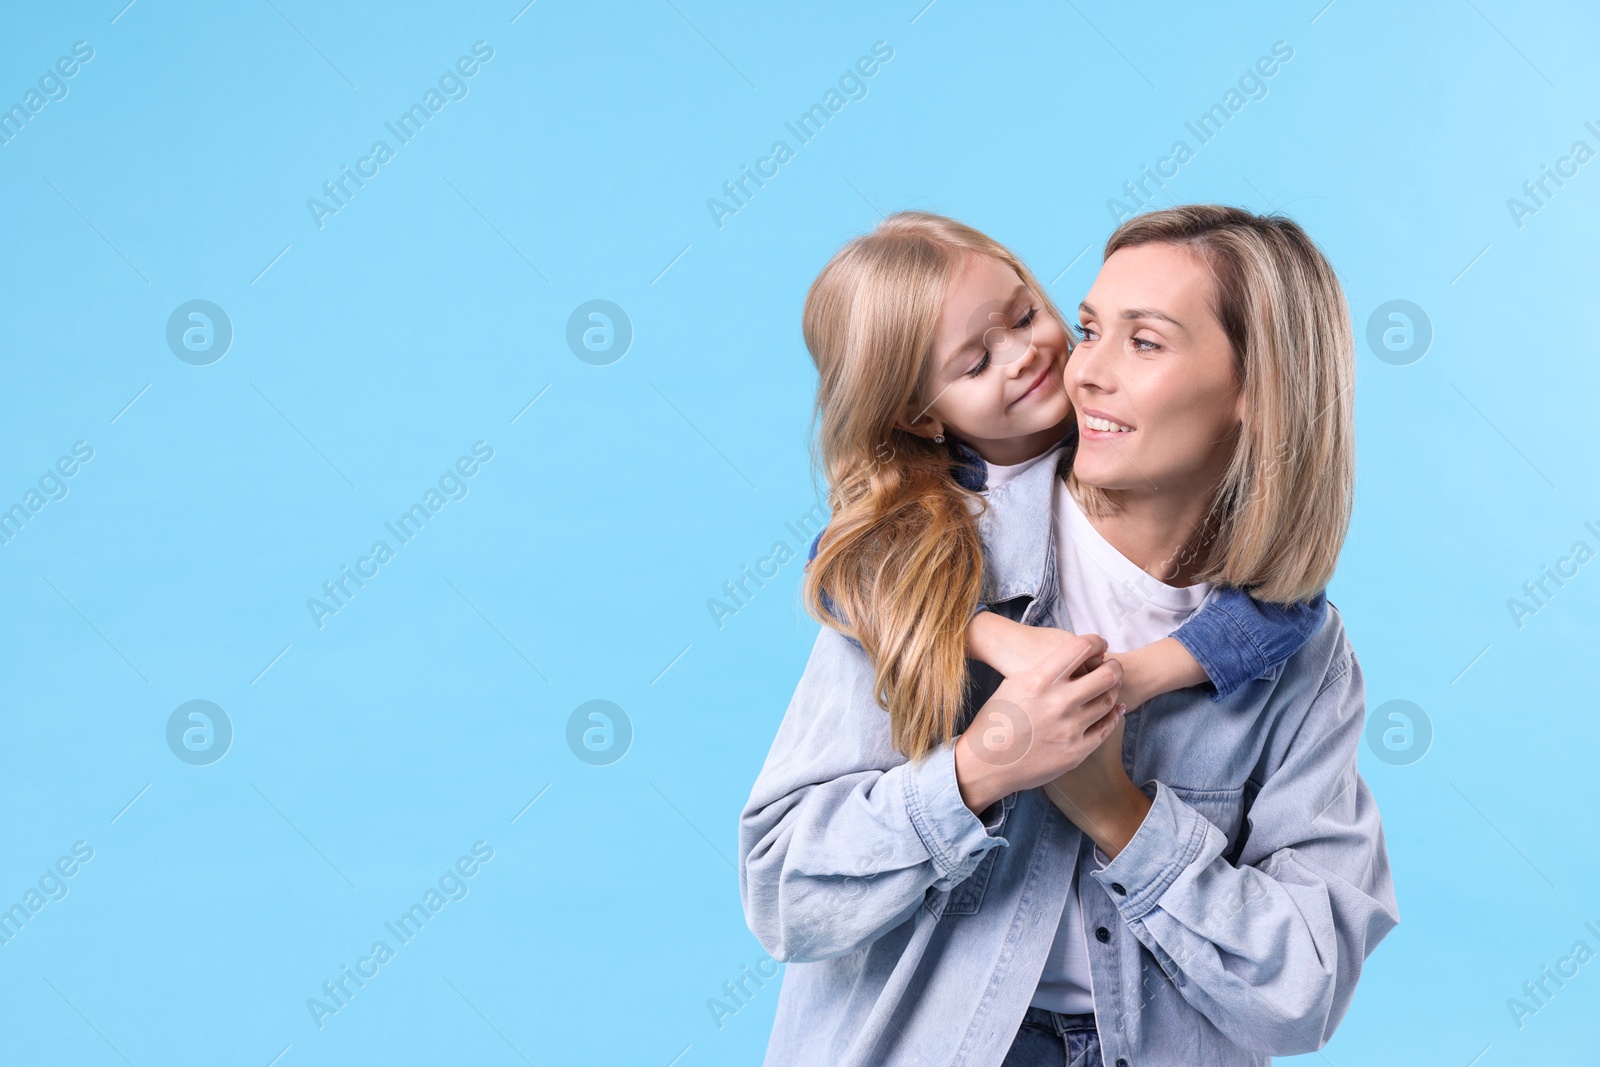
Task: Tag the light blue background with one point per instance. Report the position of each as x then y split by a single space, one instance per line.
428 313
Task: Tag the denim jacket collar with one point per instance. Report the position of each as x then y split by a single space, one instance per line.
1016 527
971 470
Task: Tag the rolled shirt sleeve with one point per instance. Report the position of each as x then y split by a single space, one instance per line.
1236 638
956 839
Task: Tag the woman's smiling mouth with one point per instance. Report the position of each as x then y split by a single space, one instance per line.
1094 422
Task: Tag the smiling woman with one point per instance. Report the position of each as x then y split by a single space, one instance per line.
1226 337
1124 382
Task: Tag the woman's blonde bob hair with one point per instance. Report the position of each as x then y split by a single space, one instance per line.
900 566
1280 514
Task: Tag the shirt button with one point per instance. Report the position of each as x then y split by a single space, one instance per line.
1118 887
1122 1063
1102 935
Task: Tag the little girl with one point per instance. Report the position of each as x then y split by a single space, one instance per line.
912 432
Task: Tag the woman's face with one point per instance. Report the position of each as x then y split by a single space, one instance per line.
1153 378
995 375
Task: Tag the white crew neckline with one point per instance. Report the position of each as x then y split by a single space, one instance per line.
999 474
1082 533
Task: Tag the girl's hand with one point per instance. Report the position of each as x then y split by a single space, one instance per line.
1159 667
1011 647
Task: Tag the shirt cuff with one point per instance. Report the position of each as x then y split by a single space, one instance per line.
1167 842
1223 647
955 837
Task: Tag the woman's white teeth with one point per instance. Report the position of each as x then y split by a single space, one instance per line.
1106 425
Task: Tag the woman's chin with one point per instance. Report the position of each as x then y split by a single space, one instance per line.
1101 475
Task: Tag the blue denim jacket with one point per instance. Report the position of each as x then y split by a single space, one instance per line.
1232 927
1233 637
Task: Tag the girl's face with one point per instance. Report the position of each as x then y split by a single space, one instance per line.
1153 378
995 375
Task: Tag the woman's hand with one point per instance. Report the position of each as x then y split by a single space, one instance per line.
1012 647
1039 723
1099 797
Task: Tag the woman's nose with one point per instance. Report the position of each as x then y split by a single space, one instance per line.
1086 368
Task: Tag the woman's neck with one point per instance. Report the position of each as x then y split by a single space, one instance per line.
1160 532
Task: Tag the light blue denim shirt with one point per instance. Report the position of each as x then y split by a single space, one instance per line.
1232 927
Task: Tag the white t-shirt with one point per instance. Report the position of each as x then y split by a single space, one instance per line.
999 474
1108 594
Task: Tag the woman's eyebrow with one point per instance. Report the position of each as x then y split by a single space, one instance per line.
1151 313
1137 313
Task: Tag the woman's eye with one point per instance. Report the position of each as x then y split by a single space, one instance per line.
1149 346
1084 333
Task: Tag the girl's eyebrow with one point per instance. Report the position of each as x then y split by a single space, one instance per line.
1137 313
976 340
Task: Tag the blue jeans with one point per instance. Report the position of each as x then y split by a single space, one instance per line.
1050 1039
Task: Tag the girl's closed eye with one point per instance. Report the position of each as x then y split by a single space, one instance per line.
983 361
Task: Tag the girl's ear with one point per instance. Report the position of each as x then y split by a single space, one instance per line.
916 421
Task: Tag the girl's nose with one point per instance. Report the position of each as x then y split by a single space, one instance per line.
1016 352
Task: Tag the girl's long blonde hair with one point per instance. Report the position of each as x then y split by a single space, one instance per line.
900 566
1280 515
